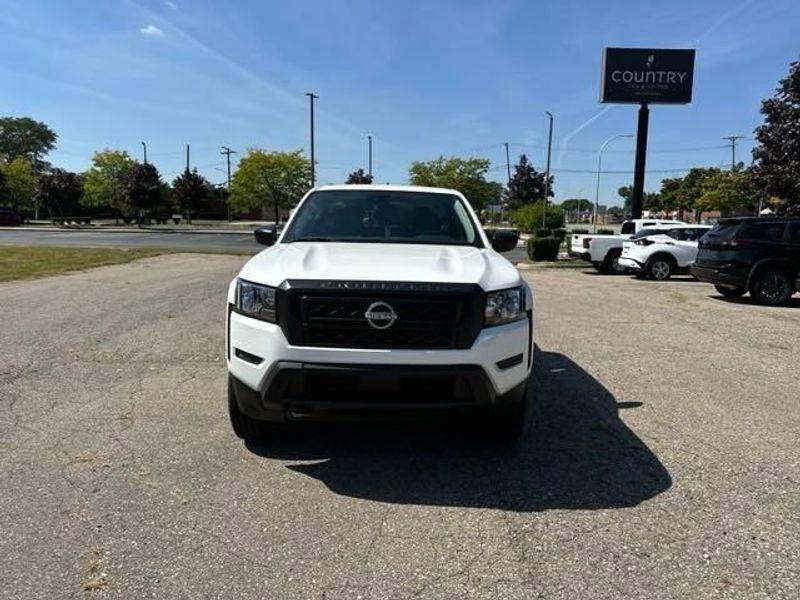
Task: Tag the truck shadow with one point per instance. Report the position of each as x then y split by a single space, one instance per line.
578 454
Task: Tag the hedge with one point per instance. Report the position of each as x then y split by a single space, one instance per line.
605 232
543 248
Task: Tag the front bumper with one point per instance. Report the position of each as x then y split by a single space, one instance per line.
630 263
274 380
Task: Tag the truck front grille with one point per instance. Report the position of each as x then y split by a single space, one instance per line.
335 318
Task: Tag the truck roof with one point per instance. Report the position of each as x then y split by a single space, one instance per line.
386 188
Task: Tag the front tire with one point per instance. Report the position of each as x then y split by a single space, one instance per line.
771 286
245 427
729 292
510 418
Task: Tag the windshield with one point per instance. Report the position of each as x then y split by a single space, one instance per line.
383 216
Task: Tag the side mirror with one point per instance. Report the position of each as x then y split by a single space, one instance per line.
505 240
266 235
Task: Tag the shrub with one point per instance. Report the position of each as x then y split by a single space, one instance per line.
605 232
529 217
543 248
540 232
580 231
560 233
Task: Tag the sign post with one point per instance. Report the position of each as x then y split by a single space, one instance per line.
645 76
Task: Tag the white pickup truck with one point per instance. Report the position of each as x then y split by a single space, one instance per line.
603 251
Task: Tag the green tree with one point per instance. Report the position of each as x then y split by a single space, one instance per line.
266 178
529 217
358 177
727 192
144 189
776 158
104 184
20 184
576 205
526 185
60 191
466 175
190 191
24 137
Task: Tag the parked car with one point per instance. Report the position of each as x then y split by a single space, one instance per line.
378 299
9 218
662 253
759 255
603 251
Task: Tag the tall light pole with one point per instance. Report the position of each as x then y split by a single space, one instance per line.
369 171
312 96
599 164
547 172
145 152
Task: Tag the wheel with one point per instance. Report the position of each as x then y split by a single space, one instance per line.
660 268
771 286
599 267
730 292
611 263
510 416
245 427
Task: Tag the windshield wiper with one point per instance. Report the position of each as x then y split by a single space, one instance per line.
313 239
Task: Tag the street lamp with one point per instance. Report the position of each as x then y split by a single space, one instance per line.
599 162
145 152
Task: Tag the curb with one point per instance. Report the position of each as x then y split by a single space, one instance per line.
131 230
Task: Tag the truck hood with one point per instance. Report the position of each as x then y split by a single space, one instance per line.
381 262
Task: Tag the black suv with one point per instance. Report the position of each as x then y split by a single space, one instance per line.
760 255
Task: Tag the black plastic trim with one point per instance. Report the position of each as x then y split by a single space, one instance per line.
511 361
247 357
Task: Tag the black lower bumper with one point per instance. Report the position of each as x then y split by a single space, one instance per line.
310 391
719 276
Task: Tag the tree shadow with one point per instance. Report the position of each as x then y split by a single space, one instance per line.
577 454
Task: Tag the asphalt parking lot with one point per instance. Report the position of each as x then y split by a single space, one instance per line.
664 464
185 240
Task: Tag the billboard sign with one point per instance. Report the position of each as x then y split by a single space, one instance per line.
634 75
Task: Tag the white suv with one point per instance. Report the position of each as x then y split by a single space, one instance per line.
659 254
378 299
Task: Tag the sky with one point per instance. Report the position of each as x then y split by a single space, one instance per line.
423 78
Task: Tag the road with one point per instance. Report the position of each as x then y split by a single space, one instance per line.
225 242
663 463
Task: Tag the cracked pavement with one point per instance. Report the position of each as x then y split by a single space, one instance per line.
663 462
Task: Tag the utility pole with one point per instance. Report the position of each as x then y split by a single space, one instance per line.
733 139
547 172
369 138
312 96
227 152
145 152
187 158
508 161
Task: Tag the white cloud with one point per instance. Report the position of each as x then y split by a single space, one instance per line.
170 4
151 31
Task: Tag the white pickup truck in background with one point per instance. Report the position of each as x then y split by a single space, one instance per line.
603 251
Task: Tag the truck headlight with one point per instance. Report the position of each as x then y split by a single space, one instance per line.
504 306
257 301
